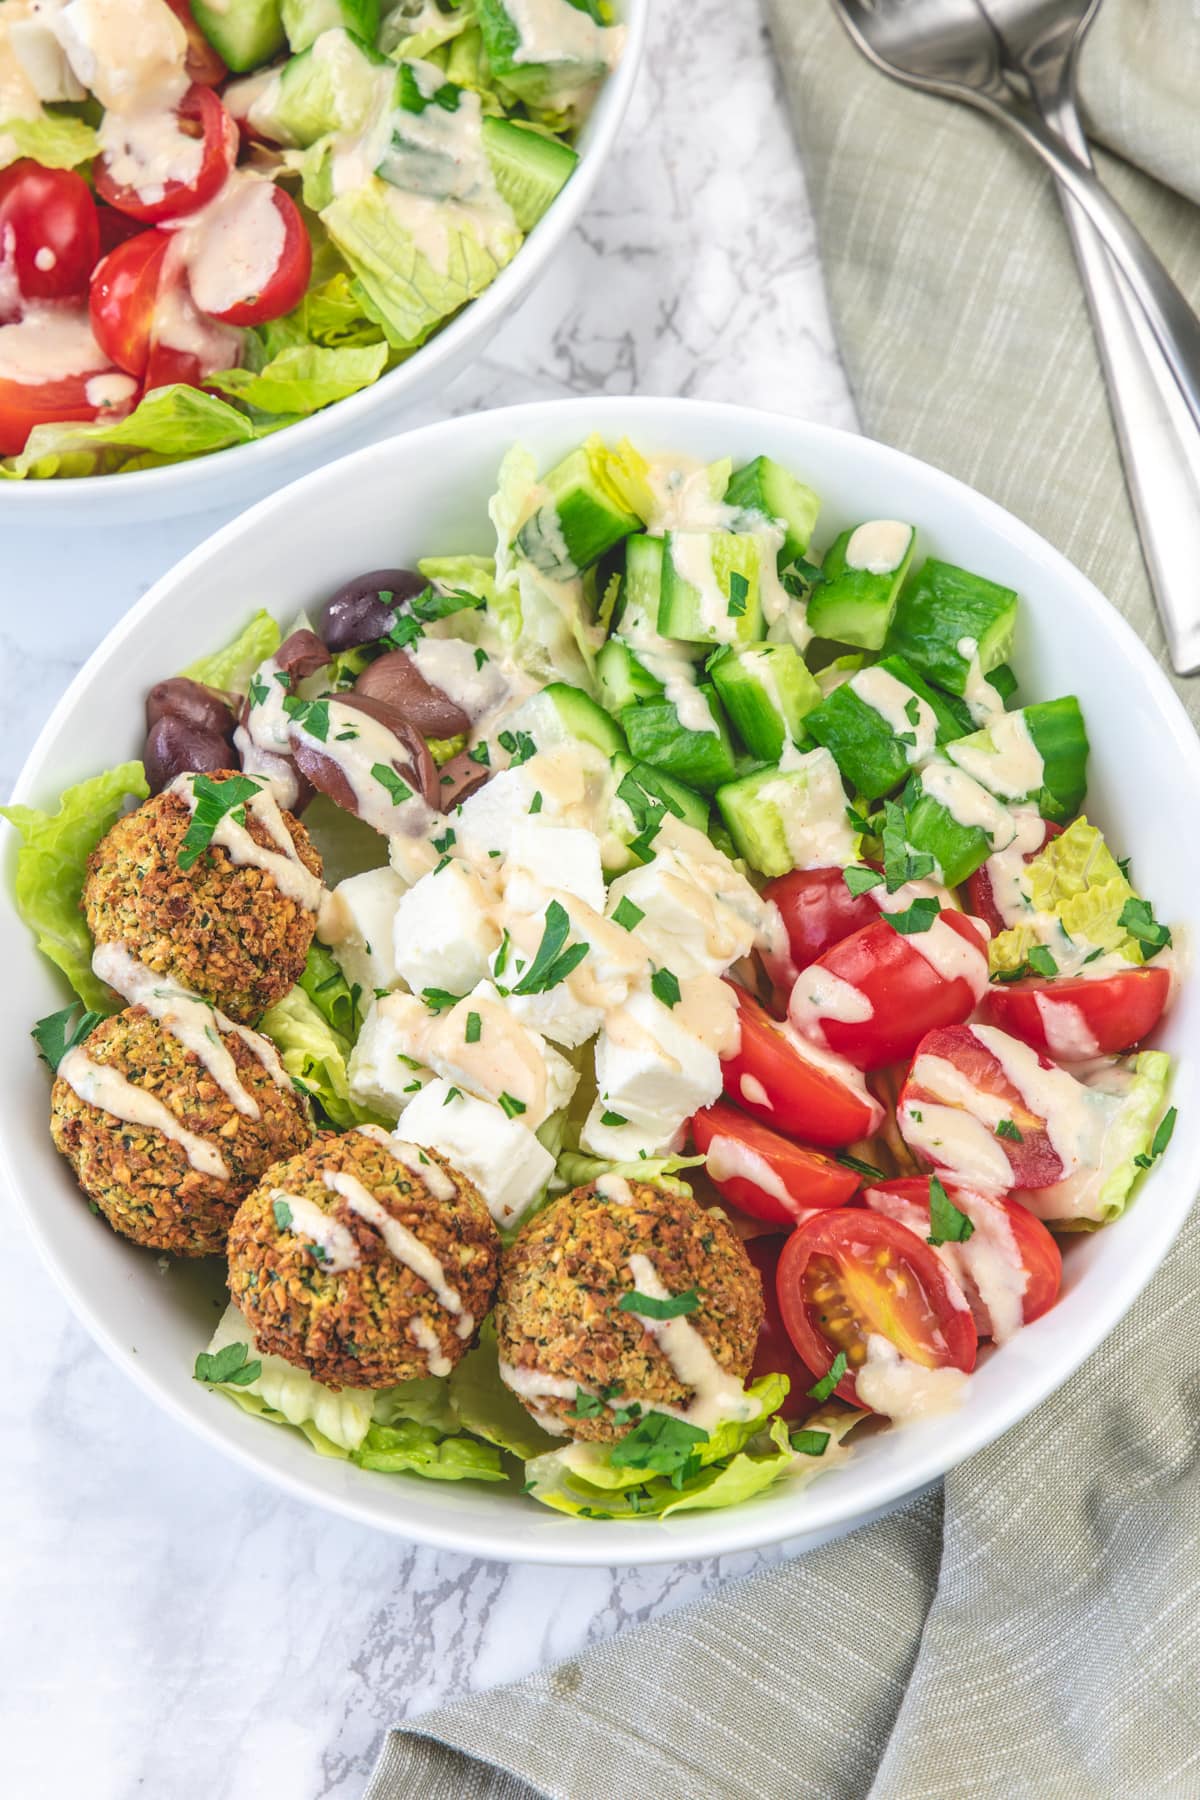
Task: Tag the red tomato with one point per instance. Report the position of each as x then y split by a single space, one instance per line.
115 227
202 64
26 404
818 910
1074 1017
851 1274
49 234
786 1083
768 1176
166 367
285 287
775 1354
202 116
1004 1230
124 291
979 886
980 1090
904 993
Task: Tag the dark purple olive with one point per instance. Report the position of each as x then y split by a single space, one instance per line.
356 614
458 780
192 702
176 747
301 655
412 758
395 678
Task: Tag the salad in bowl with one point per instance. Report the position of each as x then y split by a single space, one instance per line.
635 1011
218 220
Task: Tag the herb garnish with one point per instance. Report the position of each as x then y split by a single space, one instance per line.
1137 918
900 863
511 1106
860 1168
665 987
481 755
613 1118
822 1389
917 917
675 1306
519 744
1008 1128
947 1225
586 1406
214 799
474 1030
387 778
61 1031
283 1214
1161 1139
437 998
227 1367
549 967
810 1443
861 880
627 915
258 690
739 589
312 716
659 1443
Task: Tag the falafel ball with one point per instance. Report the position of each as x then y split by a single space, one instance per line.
363 1268
558 1310
222 929
143 1181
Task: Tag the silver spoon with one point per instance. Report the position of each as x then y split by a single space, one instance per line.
1160 448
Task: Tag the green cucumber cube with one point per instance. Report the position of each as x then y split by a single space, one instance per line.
640 792
305 20
577 523
861 577
767 692
881 722
549 84
1037 754
952 626
765 488
246 33
794 818
710 588
529 170
699 759
337 84
952 817
621 678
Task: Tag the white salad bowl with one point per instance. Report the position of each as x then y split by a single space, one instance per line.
425 494
234 477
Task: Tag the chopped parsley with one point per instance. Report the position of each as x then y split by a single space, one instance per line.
649 802
1161 1139
406 630
258 690
312 716
387 778
481 656
1137 918
481 755
1007 1128
860 1168
535 805
519 744
675 1306
452 1094
822 1389
552 963
474 1030
739 589
1041 961
433 604
500 960
437 998
227 1367
444 842
947 1225
659 1443
912 710
587 1406
665 987
627 915
283 1214
61 1031
861 880
214 799
613 1118
810 1443
917 917
900 863
511 1106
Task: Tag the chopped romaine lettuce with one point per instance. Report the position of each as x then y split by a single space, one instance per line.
315 1056
576 1169
304 377
489 1409
52 865
331 993
56 140
1076 880
334 1421
1097 1196
170 423
230 669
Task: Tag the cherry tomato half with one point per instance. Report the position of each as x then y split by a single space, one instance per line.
980 893
1076 1017
766 1175
24 404
203 65
954 1103
818 910
123 295
851 1274
786 1083
903 985
49 234
775 1353
285 285
201 117
1007 1241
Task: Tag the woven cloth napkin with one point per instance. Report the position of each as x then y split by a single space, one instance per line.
1034 1629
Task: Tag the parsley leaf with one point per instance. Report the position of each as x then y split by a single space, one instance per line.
627 915
214 799
1137 918
810 1443
387 778
258 690
739 589
947 1225
587 1406
474 1029
535 805
437 998
861 880
1007 1128
1161 1139
481 656
659 1443
432 604
912 710
675 1306
444 842
665 987
548 967
511 1106
613 1118
519 744
283 1214
61 1031
312 716
900 864
860 1168
227 1367
917 917
822 1389
481 755
406 630
1041 961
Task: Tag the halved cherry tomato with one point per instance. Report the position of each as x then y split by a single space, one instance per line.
49 235
166 366
115 228
202 63
818 910
200 115
775 1353
902 991
286 284
123 295
1075 1017
851 1274
766 1175
979 887
787 1083
952 1116
1006 1239
24 404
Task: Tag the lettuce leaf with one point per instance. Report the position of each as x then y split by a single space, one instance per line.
302 378
170 423
330 314
420 1450
315 1056
1078 882
489 1409
331 993
230 669
56 140
398 39
1097 1196
577 1169
52 864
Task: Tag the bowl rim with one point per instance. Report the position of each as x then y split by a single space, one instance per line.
560 1540
199 477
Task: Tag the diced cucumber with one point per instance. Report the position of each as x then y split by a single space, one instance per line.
855 599
640 794
871 747
767 692
578 522
546 83
1000 756
410 159
710 588
621 678
794 818
948 622
529 170
766 488
246 33
561 714
958 845
700 759
643 578
337 84
305 20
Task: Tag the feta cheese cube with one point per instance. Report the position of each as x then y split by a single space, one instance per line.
652 1070
688 926
384 1073
444 933
499 1056
486 820
627 1143
356 923
543 856
44 61
500 1155
557 1014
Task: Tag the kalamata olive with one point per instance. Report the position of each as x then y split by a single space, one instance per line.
458 779
301 655
356 615
411 758
414 749
395 677
174 747
192 702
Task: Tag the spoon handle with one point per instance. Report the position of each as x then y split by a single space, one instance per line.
1159 443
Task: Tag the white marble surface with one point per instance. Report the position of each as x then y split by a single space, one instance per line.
169 1626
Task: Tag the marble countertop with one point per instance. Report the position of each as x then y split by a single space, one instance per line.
171 1626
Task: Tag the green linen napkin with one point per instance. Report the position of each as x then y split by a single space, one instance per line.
1033 1631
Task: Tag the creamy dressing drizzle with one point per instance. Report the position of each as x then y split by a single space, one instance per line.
893 702
728 1159
106 1088
820 994
755 1094
1010 765
401 1243
968 804
901 1389
717 1395
1068 1036
336 1242
283 864
615 1188
412 1158
983 702
879 546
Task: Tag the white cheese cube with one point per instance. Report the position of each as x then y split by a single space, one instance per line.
356 923
444 934
384 1074
499 1056
651 1070
687 927
557 1014
504 1160
555 856
44 61
486 820
627 1143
